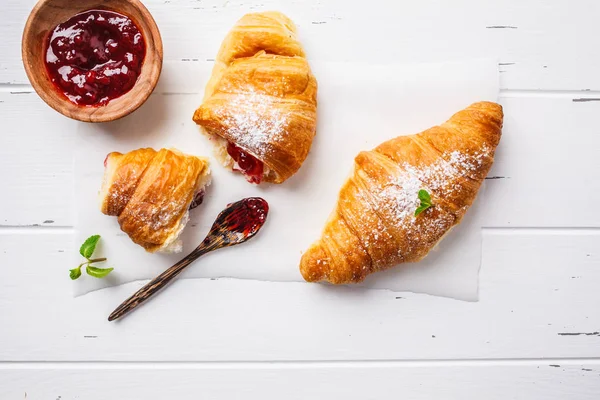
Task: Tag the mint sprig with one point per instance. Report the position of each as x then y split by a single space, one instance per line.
87 250
425 199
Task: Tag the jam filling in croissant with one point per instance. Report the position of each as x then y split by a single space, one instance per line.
260 104
198 199
246 163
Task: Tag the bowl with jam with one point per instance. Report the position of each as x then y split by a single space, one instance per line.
92 60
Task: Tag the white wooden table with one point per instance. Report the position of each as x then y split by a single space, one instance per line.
534 334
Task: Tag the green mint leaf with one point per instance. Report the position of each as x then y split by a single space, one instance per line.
425 199
421 208
75 273
88 247
97 272
424 196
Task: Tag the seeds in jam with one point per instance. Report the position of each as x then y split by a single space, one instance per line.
246 216
95 56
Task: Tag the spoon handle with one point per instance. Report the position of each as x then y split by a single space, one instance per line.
156 284
237 223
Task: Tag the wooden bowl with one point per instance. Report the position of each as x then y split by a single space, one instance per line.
47 14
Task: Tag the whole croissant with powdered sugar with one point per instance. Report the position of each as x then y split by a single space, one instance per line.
151 192
374 226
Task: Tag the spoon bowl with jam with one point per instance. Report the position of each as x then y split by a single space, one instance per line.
92 60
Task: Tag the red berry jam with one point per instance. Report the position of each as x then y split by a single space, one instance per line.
246 216
256 210
197 200
95 56
248 164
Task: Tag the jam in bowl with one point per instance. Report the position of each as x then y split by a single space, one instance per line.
92 60
95 56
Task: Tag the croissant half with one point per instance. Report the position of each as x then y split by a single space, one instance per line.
374 226
260 103
151 193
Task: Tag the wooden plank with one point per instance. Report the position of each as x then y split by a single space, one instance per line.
533 38
547 160
538 298
535 380
36 159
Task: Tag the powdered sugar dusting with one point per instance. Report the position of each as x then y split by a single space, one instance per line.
401 196
161 216
441 174
397 201
119 198
256 122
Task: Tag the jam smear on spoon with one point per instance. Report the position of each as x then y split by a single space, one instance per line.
239 222
248 216
249 165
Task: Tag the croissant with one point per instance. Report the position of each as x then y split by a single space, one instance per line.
374 226
151 192
260 104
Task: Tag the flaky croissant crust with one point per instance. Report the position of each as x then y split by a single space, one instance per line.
262 95
374 226
150 192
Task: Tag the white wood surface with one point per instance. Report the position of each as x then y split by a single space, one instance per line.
539 296
534 303
533 380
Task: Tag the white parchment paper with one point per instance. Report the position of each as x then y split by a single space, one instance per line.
359 107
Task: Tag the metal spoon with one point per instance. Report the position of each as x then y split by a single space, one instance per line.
236 224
